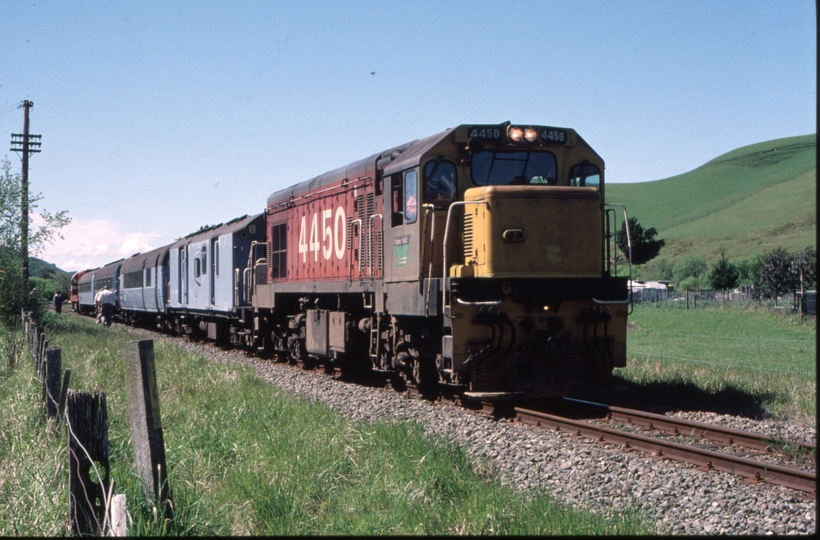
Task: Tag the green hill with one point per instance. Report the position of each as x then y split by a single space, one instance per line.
745 202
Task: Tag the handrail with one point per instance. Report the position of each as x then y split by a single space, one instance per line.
432 208
444 246
247 285
490 303
629 249
350 251
236 287
253 261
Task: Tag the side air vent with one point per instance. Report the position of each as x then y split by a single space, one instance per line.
468 236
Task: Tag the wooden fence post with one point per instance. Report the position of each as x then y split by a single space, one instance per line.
64 394
51 382
88 468
41 356
144 417
117 524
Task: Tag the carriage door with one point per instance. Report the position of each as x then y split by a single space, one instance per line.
183 275
402 227
214 268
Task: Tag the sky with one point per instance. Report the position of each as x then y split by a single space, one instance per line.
159 117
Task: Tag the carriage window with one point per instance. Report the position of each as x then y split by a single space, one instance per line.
513 167
439 180
197 267
585 174
132 280
148 277
204 259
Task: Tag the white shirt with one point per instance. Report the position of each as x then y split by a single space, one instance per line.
105 297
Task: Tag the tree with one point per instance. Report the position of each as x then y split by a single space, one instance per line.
693 266
723 275
13 295
644 245
660 269
777 276
749 269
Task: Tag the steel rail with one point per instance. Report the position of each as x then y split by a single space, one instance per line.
679 426
707 459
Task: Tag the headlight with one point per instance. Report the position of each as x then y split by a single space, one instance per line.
516 134
531 134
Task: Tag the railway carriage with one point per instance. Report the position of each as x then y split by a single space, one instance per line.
74 289
477 258
144 286
92 281
210 276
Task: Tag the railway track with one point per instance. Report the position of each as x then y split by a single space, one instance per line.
752 470
758 442
706 459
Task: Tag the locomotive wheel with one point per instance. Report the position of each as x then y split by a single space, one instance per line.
294 350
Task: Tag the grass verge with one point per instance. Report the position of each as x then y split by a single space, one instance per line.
734 360
246 459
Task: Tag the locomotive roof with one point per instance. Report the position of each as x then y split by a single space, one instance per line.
411 156
392 160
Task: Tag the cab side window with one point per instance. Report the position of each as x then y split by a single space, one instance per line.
439 181
396 201
410 194
585 174
403 197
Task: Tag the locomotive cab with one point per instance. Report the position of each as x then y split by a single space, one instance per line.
529 298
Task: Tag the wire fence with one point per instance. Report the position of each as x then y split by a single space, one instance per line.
794 303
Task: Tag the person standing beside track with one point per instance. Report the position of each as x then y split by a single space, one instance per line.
105 304
58 301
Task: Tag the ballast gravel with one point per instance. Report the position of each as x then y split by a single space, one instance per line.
601 478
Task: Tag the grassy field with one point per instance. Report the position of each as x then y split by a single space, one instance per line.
244 459
746 202
747 360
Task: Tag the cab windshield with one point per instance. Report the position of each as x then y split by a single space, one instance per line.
513 167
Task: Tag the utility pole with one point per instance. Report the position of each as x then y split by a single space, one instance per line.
22 142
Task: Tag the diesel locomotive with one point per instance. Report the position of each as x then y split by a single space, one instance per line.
480 260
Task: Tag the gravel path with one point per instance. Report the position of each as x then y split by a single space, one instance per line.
681 499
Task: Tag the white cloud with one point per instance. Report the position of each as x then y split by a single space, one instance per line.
89 243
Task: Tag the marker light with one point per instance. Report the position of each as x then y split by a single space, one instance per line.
531 134
516 134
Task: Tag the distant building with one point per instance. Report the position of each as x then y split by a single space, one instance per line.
649 291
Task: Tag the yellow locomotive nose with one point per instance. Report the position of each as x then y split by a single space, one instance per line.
531 232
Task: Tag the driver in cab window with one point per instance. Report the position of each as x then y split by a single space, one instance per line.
440 181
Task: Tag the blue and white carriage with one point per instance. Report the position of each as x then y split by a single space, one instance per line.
144 285
210 274
92 281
